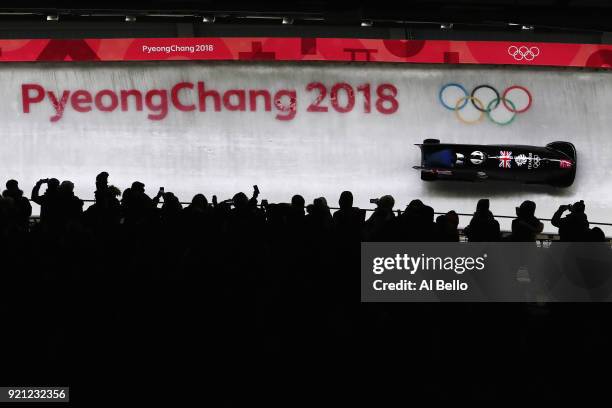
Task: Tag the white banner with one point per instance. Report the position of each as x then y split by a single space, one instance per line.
312 129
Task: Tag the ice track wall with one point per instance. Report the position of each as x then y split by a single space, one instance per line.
282 146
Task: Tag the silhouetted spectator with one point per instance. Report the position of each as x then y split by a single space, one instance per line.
196 217
70 207
244 220
48 201
137 206
298 203
574 227
379 226
170 227
446 226
319 218
348 220
415 224
596 235
526 226
102 181
104 216
426 225
297 210
482 227
240 201
22 209
171 203
197 207
170 211
296 219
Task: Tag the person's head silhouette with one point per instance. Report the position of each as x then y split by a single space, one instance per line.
67 187
53 184
414 207
12 189
12 185
138 187
240 200
113 191
526 209
320 204
102 181
452 218
346 200
199 201
578 207
386 202
298 202
596 234
483 205
171 202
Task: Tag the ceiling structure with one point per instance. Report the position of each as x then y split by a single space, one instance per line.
461 17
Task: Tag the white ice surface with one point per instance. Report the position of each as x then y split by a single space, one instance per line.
315 154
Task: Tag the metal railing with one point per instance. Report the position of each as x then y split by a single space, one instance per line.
399 212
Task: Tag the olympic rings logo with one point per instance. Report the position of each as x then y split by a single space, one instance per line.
523 52
488 107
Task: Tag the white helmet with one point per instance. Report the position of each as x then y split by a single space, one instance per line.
477 157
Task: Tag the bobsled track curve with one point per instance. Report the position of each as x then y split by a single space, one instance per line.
313 153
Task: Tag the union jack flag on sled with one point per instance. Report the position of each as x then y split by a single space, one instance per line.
505 159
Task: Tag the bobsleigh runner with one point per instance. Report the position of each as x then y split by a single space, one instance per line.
554 164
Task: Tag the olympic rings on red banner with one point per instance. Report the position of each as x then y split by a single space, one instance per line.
523 52
485 107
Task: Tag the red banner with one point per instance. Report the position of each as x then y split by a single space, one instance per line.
309 49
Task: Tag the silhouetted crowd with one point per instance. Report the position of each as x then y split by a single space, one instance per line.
241 219
134 282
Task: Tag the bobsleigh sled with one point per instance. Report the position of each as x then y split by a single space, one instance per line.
553 164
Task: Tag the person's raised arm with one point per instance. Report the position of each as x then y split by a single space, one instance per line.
36 192
253 200
159 195
556 218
